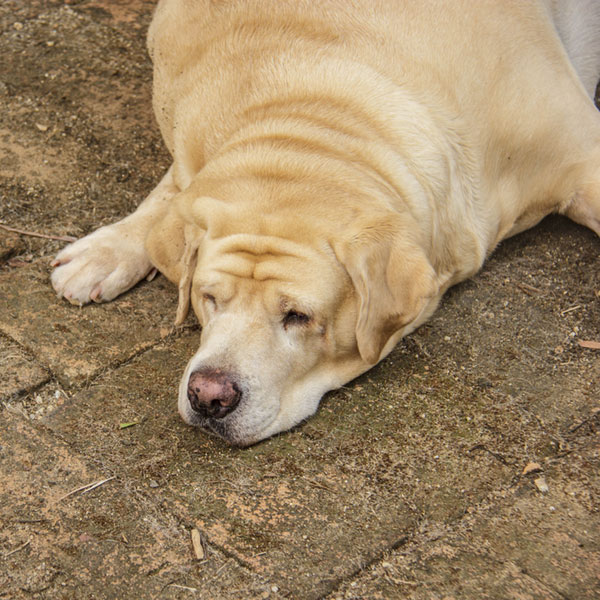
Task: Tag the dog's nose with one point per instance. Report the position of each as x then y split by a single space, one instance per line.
213 393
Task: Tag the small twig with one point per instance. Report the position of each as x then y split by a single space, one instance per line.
183 587
568 310
397 581
497 456
319 485
60 238
31 521
528 289
585 421
98 484
225 564
84 489
21 547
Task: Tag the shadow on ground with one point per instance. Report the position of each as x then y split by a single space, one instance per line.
464 466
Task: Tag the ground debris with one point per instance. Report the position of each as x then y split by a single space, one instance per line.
198 544
84 489
531 467
529 289
592 344
61 238
18 549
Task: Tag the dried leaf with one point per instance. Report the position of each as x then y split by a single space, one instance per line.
589 344
531 467
541 485
197 544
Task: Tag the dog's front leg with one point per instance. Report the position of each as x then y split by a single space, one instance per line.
112 259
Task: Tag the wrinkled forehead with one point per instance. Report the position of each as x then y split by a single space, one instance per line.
279 267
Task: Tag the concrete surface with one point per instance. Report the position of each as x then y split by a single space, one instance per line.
466 465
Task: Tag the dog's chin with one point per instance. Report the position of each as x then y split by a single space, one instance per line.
226 429
227 432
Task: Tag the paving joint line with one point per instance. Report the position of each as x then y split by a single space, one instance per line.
369 563
144 349
543 583
31 356
450 525
21 394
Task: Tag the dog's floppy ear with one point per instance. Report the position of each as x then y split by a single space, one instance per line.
172 245
393 279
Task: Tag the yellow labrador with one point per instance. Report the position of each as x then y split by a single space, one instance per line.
337 165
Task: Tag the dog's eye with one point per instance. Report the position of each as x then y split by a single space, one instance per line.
210 298
293 317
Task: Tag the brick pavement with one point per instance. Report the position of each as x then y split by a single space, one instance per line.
407 484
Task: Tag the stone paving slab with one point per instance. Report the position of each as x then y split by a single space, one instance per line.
515 328
77 343
520 543
114 541
326 499
419 439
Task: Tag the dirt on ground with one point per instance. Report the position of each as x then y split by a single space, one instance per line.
464 466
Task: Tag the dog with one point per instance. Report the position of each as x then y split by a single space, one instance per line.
337 166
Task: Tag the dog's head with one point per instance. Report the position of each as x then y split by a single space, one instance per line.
288 312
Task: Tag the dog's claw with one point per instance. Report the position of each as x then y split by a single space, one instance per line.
96 295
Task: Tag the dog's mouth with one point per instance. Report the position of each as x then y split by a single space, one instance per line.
219 428
227 430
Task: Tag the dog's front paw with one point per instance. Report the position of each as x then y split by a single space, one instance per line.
101 265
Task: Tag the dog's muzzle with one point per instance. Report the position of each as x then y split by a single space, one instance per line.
213 393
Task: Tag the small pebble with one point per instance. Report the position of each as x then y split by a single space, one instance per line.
541 485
